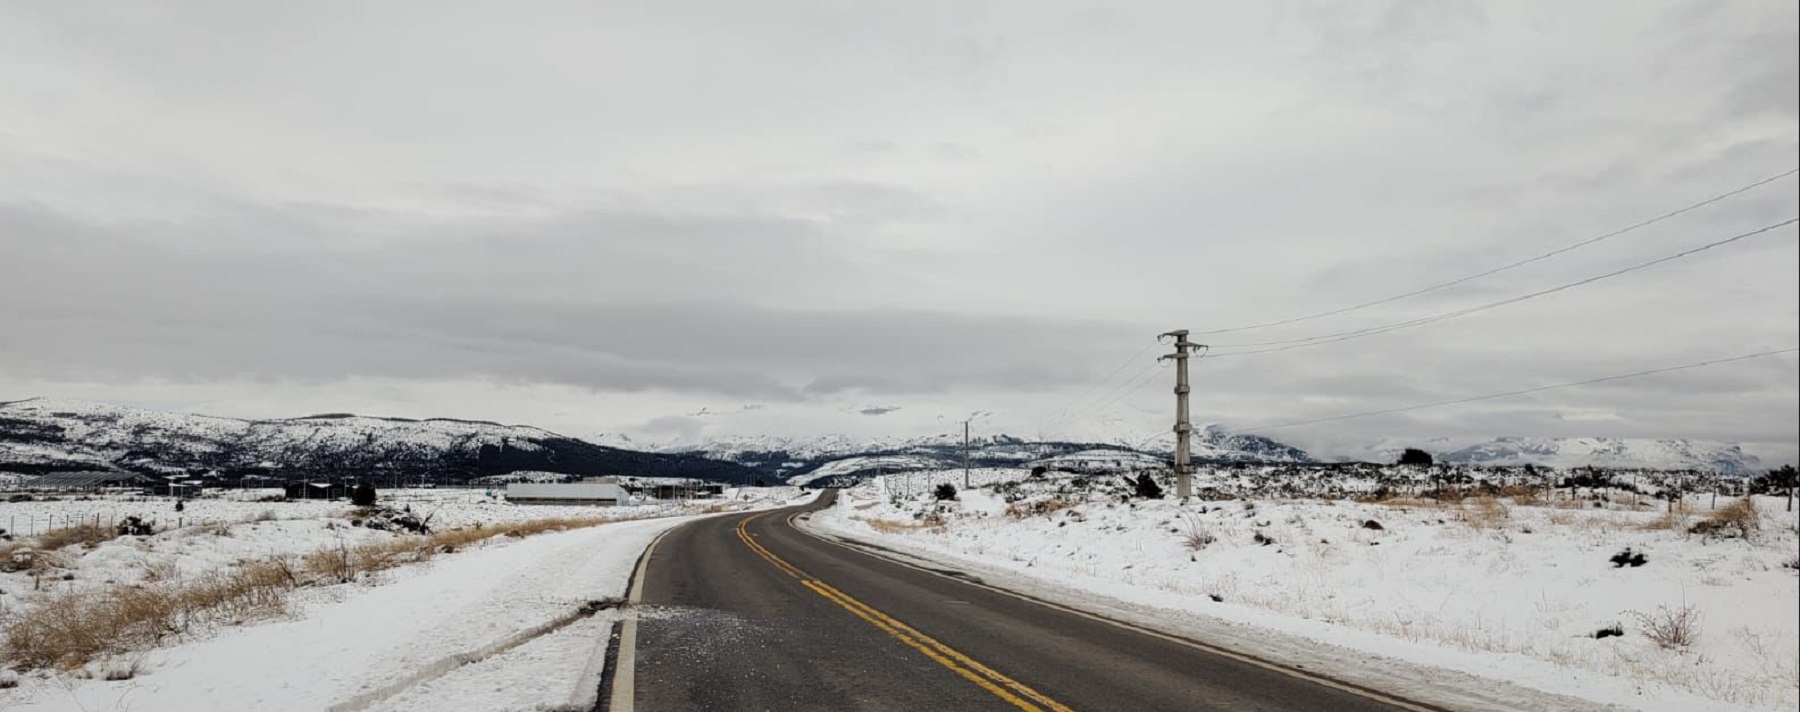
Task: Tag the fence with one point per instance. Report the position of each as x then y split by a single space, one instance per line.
20 525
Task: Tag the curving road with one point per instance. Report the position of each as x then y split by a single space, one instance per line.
747 613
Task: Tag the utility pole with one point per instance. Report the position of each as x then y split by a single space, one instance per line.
965 454
1183 428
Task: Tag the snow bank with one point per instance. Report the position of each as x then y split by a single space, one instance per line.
368 642
1489 587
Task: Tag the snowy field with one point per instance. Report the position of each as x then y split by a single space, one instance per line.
447 507
1489 586
464 630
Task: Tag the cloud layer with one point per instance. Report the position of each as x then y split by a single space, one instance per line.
600 220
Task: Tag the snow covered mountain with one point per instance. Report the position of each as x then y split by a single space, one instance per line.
1722 457
803 460
42 435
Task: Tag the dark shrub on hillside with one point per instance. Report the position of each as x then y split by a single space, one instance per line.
944 491
1146 487
1415 456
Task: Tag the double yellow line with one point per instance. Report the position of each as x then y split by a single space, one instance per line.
1001 686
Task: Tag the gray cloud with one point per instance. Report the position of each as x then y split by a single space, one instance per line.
940 208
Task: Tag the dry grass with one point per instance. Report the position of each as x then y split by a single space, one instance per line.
1673 519
892 526
1739 517
70 629
1197 536
1037 508
1483 513
1411 502
87 535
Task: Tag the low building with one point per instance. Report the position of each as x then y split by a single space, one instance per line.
317 490
688 491
604 491
181 487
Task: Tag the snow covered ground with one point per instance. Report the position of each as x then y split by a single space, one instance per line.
461 631
447 507
1490 588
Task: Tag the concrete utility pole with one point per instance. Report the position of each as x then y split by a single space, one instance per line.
1183 428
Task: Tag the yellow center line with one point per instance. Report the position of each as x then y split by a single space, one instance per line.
1012 691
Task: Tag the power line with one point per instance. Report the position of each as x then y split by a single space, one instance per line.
1133 383
1520 263
1290 344
1131 387
1509 394
1097 384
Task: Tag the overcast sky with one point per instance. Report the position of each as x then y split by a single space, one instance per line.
691 219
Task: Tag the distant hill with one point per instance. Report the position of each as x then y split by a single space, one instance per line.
1709 456
39 435
805 460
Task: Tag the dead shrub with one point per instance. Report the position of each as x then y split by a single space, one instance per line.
1670 628
1738 519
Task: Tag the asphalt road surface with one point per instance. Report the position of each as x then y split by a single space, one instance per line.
746 613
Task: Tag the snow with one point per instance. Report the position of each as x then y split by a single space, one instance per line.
454 633
376 635
1708 456
1501 594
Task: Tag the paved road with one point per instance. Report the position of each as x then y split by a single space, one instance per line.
747 613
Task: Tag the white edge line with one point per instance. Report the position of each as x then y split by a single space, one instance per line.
624 692
885 555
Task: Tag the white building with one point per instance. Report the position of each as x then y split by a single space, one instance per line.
593 490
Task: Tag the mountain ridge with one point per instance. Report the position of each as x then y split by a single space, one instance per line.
48 435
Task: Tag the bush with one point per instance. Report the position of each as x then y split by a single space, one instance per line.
944 491
1736 520
1670 628
363 495
1629 558
1146 487
1415 456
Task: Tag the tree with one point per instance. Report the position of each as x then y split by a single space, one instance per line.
1786 477
1415 456
363 495
944 491
1147 487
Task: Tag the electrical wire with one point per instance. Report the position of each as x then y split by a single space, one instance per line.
1057 415
1290 344
1520 263
1509 394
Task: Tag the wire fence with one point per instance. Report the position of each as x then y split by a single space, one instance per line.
33 524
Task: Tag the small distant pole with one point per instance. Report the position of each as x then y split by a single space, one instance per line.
965 454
